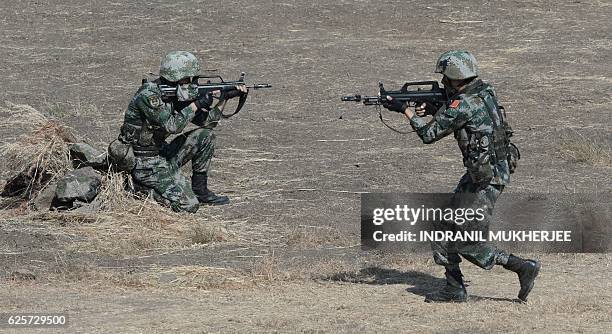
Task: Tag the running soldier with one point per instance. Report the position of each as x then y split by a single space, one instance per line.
479 125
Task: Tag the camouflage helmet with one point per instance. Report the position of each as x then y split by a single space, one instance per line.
177 65
457 65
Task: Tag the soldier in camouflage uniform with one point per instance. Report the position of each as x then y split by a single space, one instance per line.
478 123
150 118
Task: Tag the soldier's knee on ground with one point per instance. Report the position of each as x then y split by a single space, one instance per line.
185 204
188 202
176 193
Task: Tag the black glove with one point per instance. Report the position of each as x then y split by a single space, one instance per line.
430 109
230 93
200 117
394 105
204 101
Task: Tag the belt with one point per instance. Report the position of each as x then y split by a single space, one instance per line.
145 151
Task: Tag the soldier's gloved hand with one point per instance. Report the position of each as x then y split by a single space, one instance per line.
230 94
235 91
425 109
393 104
204 101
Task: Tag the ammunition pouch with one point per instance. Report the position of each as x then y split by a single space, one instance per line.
130 133
514 155
121 156
479 159
500 144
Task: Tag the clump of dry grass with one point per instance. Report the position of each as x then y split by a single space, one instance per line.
267 268
119 203
203 277
40 153
204 234
578 148
146 225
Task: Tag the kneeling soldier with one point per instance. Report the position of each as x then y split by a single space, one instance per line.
151 118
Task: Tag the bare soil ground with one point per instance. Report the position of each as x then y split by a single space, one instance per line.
285 256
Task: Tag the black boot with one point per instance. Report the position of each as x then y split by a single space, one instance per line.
527 271
199 184
454 291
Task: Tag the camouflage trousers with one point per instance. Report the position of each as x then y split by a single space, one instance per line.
481 253
161 175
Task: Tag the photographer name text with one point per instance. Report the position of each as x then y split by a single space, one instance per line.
473 236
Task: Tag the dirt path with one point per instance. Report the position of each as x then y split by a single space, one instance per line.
575 299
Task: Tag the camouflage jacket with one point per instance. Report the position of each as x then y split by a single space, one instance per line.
469 117
149 120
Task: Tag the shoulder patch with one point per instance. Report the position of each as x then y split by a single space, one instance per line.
454 104
154 100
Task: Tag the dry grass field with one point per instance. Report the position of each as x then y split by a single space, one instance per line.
284 256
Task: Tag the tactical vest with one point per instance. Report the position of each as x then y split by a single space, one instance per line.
502 131
138 131
482 151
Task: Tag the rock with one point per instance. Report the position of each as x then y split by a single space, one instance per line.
44 199
78 185
84 155
94 206
23 275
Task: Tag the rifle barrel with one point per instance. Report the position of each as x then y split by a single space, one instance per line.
258 86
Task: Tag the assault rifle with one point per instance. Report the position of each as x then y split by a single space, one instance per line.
411 94
215 82
435 96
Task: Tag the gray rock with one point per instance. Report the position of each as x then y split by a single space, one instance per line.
44 198
84 155
94 206
78 185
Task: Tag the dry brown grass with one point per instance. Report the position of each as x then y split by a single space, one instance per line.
124 224
267 268
40 151
203 277
199 277
189 276
579 148
204 234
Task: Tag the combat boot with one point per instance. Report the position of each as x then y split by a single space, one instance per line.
199 184
453 292
527 271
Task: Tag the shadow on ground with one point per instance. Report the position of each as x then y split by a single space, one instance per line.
422 283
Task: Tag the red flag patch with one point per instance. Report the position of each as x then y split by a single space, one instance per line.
454 104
